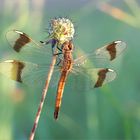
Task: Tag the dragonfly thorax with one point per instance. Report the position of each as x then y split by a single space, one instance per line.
67 56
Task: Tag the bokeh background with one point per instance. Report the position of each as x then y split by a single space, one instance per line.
111 112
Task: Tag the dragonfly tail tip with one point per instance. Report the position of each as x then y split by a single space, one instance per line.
56 113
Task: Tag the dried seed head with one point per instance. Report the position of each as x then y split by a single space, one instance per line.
61 29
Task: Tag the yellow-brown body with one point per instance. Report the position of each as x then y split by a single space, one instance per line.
66 68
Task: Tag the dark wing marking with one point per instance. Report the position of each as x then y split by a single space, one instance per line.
12 69
104 76
27 48
26 72
21 42
95 77
102 55
18 39
15 69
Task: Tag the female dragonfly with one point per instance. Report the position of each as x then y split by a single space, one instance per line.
22 71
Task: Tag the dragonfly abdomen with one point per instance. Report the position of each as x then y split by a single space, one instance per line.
60 90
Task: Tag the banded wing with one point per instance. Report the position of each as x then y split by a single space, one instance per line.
24 45
26 72
91 77
32 51
101 76
12 69
18 40
21 41
104 55
101 57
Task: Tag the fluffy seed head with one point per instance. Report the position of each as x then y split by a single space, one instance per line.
61 29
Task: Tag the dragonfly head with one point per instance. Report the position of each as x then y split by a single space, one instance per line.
67 46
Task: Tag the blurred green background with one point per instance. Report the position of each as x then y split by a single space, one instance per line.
111 112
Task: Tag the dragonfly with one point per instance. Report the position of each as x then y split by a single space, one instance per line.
21 71
101 75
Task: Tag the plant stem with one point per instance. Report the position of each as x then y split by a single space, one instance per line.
44 93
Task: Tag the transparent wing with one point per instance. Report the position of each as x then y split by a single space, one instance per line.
101 76
92 78
26 72
92 66
27 47
103 55
20 41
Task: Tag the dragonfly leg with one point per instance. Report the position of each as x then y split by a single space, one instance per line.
59 49
58 61
46 42
58 53
54 44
